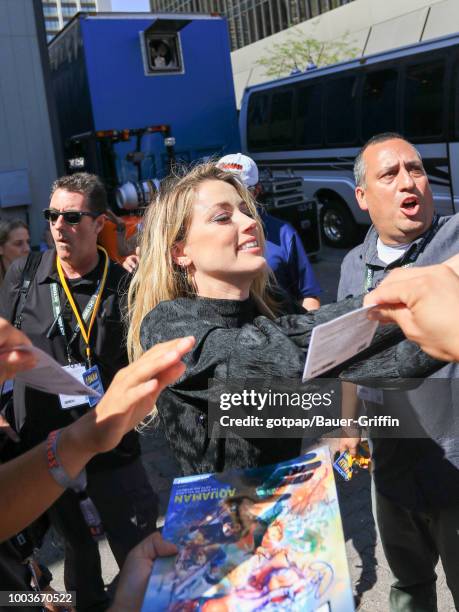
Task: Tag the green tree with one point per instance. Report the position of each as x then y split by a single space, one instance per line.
297 51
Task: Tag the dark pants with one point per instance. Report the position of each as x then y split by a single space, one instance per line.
14 575
128 508
413 542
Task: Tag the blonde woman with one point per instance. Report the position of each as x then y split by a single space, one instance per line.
202 273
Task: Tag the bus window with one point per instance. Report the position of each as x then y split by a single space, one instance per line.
282 118
309 116
424 86
258 121
379 103
340 111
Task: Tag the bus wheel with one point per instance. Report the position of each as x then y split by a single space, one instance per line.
338 227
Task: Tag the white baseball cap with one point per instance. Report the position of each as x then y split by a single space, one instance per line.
243 166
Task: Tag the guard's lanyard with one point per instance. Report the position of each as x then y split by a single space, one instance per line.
57 310
411 256
90 312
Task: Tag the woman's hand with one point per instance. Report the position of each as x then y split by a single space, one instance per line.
130 263
424 302
136 572
12 360
130 397
453 264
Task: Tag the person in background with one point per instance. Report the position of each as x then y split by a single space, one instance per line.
128 251
285 253
72 311
14 243
126 245
130 196
47 241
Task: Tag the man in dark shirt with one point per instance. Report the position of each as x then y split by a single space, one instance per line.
72 312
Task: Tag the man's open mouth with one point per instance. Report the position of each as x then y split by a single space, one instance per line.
410 206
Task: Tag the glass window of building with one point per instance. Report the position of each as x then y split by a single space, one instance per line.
314 7
252 20
284 15
267 19
68 10
50 10
52 24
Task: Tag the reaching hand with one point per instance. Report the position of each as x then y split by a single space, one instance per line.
424 302
6 429
13 361
110 216
132 395
130 263
349 444
136 572
453 263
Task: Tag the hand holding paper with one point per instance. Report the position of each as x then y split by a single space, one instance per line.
337 341
48 376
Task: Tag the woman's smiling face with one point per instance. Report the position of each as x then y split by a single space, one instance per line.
222 249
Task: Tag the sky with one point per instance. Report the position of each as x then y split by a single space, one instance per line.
130 5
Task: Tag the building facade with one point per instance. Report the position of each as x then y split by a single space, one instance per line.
368 26
58 12
252 20
30 157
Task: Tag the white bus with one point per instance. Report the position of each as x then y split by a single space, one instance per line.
312 125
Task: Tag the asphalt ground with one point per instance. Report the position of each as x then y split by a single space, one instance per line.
370 574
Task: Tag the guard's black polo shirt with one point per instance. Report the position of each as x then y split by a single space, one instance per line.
107 342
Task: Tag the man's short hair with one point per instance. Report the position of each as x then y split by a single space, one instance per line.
88 185
359 164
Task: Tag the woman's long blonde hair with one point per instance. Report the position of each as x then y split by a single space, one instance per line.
166 223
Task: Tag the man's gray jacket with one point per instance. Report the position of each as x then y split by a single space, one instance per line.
421 470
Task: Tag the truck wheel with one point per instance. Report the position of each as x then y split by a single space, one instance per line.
338 227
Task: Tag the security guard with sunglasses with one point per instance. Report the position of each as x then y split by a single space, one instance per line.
72 312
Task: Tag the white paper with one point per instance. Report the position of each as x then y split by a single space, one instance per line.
72 401
51 377
369 394
338 340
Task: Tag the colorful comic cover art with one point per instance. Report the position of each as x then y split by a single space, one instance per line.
257 539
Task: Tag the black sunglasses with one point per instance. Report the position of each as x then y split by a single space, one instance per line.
72 217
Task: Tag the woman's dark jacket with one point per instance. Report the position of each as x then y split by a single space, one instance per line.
233 341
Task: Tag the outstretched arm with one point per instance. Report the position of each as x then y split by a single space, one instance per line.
13 361
424 302
27 486
136 572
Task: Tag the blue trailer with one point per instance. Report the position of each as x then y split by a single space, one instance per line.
146 79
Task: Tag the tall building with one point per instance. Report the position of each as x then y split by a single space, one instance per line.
252 20
58 12
30 148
